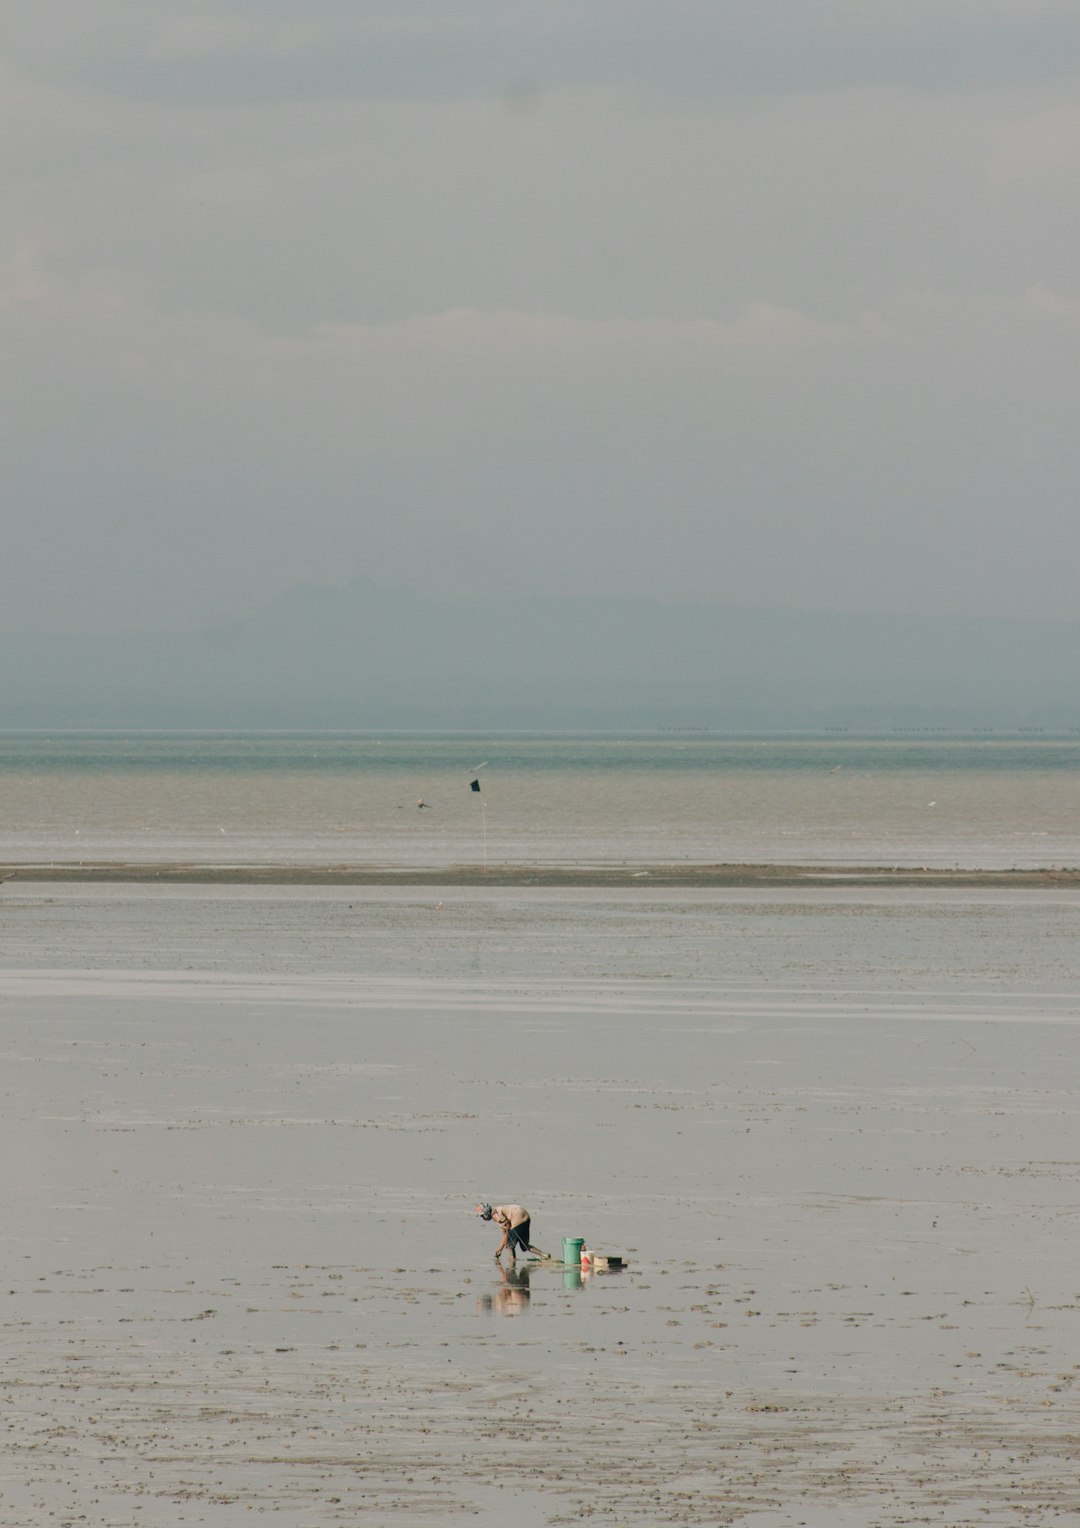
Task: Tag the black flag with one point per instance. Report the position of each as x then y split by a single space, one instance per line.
475 786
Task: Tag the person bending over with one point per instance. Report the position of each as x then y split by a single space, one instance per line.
514 1221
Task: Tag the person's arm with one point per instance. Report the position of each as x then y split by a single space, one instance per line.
501 1220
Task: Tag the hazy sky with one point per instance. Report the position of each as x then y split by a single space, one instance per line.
774 302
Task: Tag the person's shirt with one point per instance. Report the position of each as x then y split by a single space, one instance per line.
509 1215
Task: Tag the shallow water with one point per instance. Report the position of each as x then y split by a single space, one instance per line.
832 1130
987 804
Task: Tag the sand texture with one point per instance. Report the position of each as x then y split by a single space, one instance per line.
684 875
833 1129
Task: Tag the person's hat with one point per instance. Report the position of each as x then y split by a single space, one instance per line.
484 1211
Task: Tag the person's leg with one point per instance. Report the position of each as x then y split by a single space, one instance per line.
524 1230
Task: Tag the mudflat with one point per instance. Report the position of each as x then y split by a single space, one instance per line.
832 1129
684 875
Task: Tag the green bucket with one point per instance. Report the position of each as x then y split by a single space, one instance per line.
571 1249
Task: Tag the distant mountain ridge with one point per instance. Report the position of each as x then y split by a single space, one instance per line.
366 656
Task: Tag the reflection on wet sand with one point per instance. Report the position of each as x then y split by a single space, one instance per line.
511 1298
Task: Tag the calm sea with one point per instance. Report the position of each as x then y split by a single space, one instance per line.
985 803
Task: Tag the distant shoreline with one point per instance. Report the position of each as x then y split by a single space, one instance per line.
690 877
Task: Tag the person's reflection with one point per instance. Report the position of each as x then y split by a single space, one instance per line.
513 1298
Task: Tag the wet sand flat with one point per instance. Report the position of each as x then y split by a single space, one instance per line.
832 1128
685 876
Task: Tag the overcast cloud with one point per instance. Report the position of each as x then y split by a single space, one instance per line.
773 302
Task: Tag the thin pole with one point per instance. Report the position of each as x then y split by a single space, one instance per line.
483 822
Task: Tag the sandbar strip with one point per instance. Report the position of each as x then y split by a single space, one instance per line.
644 876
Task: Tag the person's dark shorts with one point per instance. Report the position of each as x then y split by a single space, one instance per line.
518 1238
